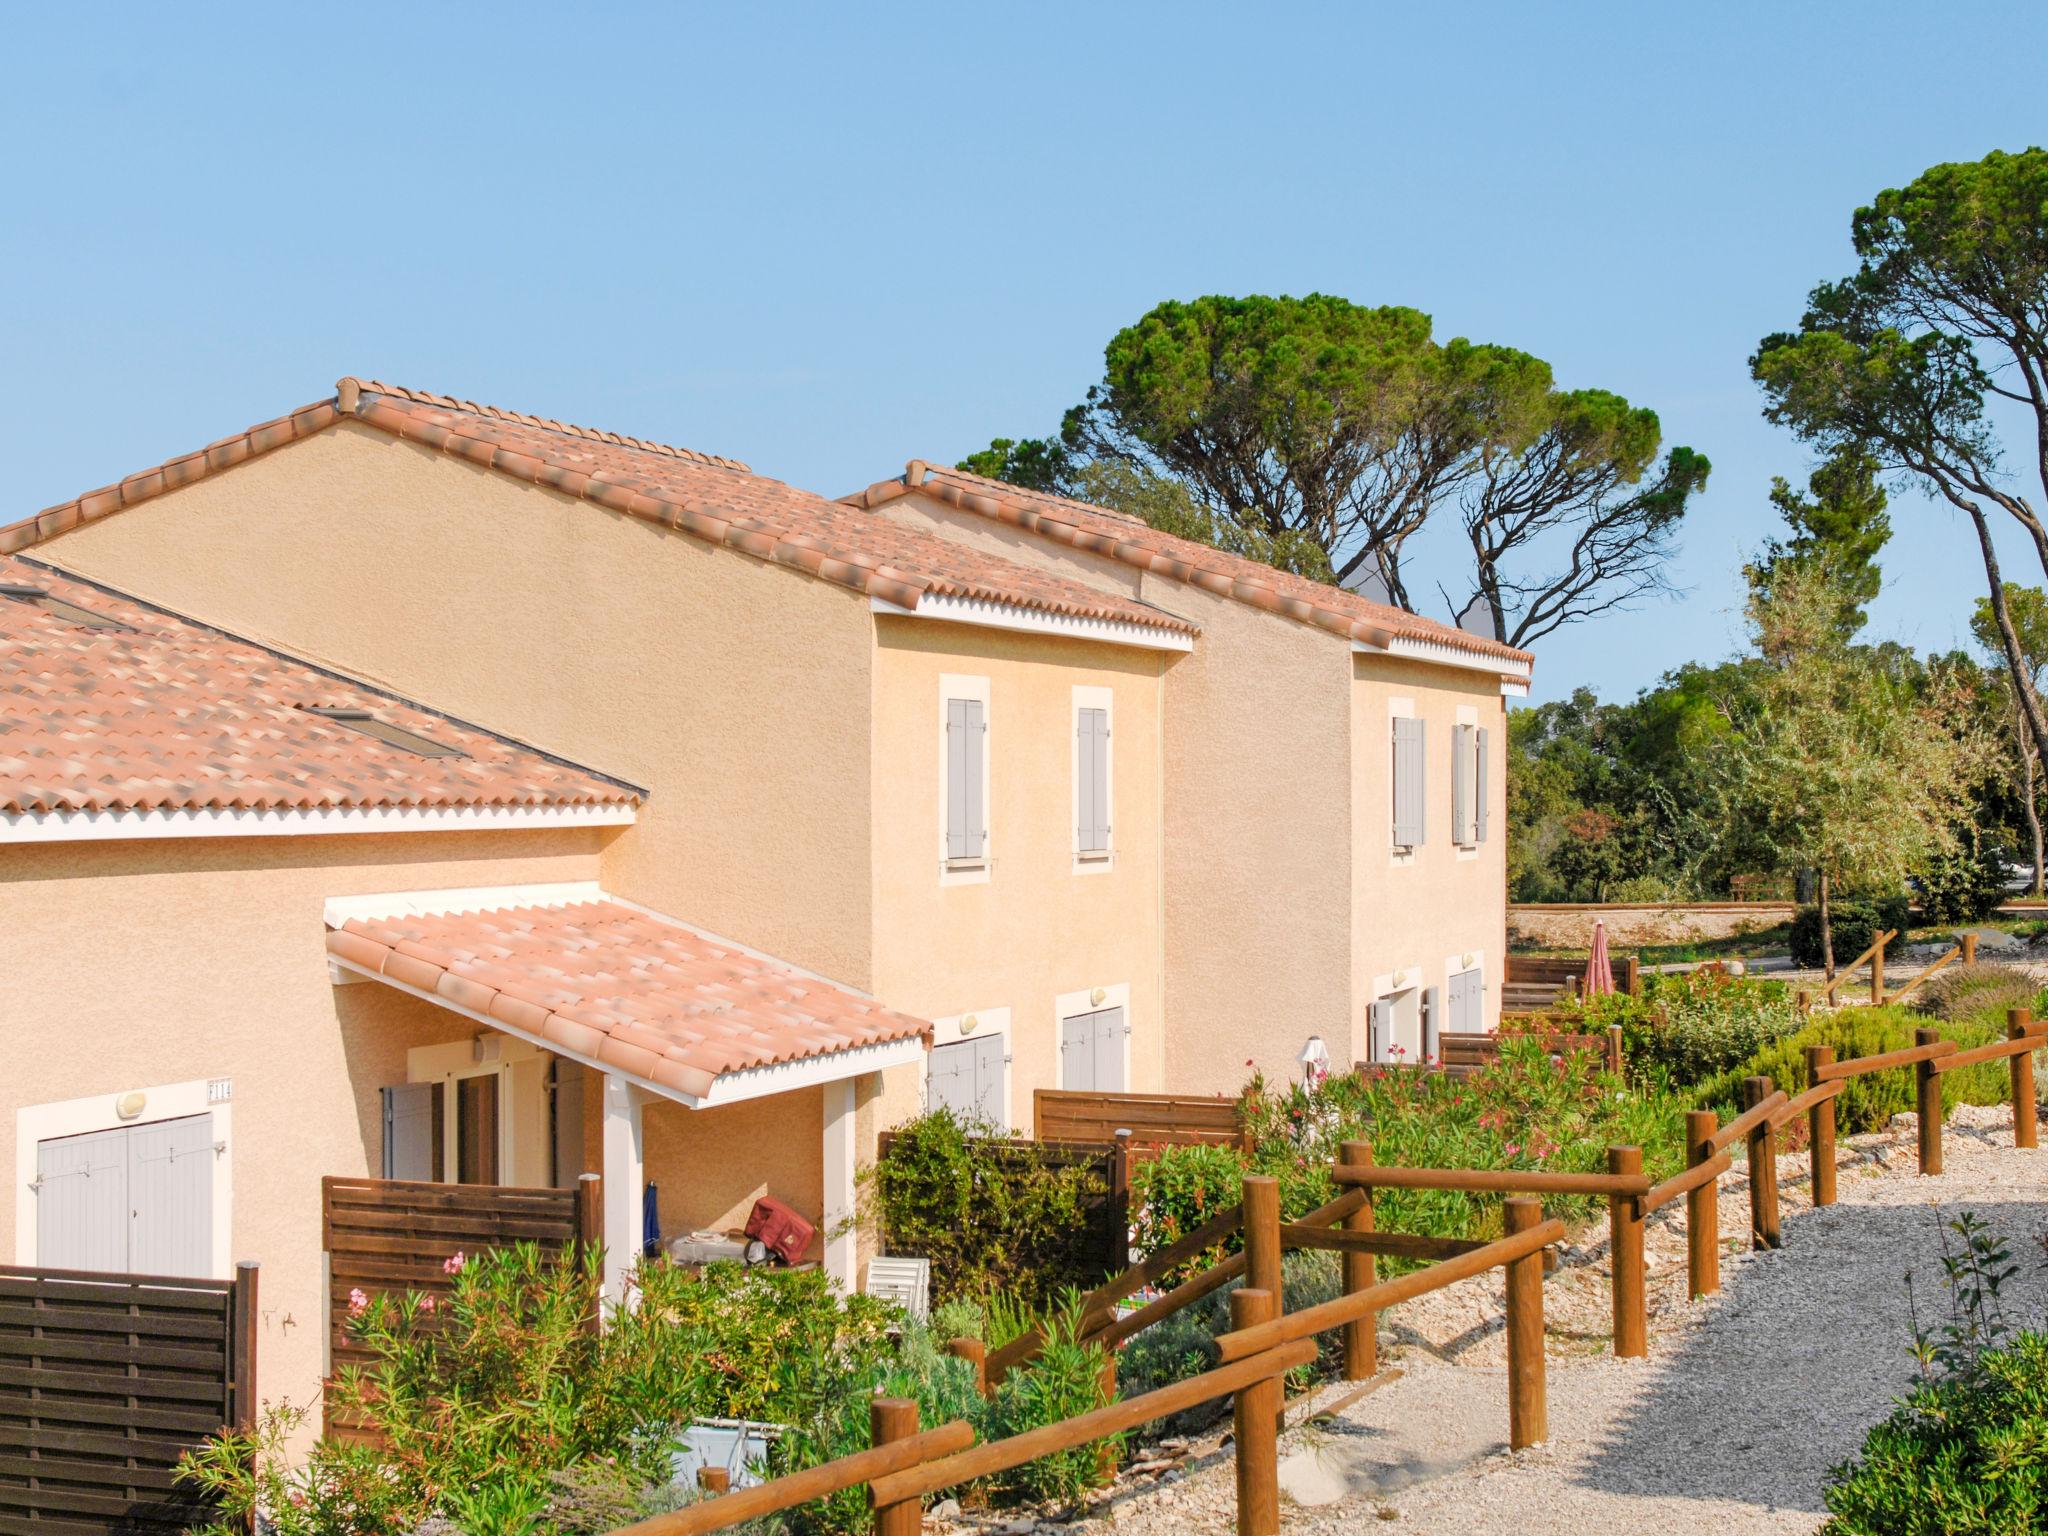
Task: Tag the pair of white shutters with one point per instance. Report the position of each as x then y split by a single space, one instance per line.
1469 791
1468 786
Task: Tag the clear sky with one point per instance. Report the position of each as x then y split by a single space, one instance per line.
827 240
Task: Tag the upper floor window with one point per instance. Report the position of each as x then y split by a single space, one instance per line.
1093 781
964 782
1411 769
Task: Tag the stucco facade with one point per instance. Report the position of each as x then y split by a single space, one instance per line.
1287 912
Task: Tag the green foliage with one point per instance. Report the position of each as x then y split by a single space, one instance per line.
1856 923
1177 1191
1963 885
483 1402
1168 505
1841 529
1064 1379
1034 463
1965 1453
1869 1102
991 1214
1986 991
1697 1024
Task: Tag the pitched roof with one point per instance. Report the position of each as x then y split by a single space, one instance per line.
107 704
1119 536
717 500
621 986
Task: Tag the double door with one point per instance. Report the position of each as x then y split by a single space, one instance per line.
135 1200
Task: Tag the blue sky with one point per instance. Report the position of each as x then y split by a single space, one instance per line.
826 240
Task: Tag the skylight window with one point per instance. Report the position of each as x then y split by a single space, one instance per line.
71 613
383 730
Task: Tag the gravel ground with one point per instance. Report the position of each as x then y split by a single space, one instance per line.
1732 1423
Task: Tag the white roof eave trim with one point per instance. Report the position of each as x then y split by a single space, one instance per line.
1014 616
111 826
1438 653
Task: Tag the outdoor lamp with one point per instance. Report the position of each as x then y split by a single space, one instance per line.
1315 1061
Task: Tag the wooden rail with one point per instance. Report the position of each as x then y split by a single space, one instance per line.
1499 1181
1875 955
1954 953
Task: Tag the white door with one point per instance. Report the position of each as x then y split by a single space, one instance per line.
1092 1051
136 1200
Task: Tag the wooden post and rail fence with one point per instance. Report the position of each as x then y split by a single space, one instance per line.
907 1462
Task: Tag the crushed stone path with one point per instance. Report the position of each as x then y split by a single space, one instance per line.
1731 1425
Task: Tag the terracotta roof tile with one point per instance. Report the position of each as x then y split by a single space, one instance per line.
716 500
1130 540
630 989
164 714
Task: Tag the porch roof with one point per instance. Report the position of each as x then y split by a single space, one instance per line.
687 1014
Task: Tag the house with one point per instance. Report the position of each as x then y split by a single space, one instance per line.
1336 872
410 787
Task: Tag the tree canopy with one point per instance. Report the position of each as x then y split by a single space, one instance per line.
1298 424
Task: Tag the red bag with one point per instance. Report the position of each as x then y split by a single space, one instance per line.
779 1229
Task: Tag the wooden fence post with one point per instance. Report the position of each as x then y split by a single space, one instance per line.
590 1210
1820 1126
1927 1093
1802 1002
1969 943
1615 1063
1763 1168
1877 970
1702 1208
1528 1414
1632 976
975 1353
2025 1121
1361 1338
242 1323
1262 1237
895 1418
1625 1259
1257 1424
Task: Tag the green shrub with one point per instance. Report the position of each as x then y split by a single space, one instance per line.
1698 1024
1990 990
1966 886
1062 1380
1855 924
1870 1102
1177 1191
991 1214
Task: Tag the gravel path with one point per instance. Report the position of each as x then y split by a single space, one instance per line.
1730 1425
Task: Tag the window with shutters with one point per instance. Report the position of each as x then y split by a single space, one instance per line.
1094 779
1464 785
1410 772
963 778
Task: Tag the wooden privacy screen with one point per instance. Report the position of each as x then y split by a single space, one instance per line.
389 1235
1153 1119
105 1380
1463 1054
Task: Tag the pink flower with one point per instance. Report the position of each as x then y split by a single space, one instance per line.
452 1265
358 1303
1513 1149
426 1303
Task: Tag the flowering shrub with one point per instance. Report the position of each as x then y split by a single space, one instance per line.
1176 1192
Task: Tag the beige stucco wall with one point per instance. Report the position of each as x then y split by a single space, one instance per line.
1036 928
135 965
1416 919
735 691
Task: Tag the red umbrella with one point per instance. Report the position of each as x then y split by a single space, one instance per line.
1599 974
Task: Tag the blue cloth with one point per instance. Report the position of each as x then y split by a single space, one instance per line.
650 1223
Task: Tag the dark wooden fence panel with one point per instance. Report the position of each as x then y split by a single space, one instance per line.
105 1381
1464 1054
1153 1119
393 1236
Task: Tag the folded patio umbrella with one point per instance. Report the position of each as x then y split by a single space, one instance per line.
1599 973
650 1223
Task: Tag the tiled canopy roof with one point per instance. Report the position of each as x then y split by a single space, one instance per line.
622 987
146 712
1117 536
717 500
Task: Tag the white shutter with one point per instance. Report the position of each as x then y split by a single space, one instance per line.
411 1147
1461 787
966 817
1432 1025
1093 771
170 1194
1379 1032
1410 768
1479 788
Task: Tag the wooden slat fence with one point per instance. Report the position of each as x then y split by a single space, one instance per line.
1463 1054
1153 1119
105 1381
394 1236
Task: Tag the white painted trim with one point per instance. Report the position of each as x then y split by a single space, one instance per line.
1091 696
947 1031
106 826
77 1117
1069 1005
1439 653
727 1088
838 1167
338 910
623 1141
1510 690
1035 621
959 685
1404 989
